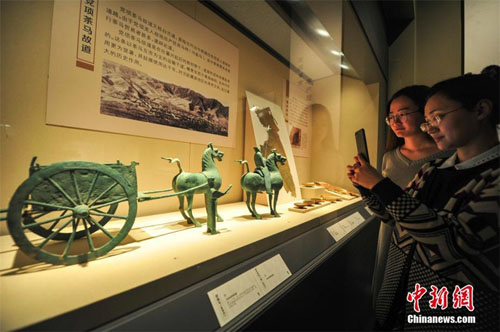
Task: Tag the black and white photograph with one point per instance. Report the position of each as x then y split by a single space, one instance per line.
132 94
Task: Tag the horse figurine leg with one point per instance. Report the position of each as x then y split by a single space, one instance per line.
248 204
190 211
219 218
181 208
210 203
276 193
270 196
256 215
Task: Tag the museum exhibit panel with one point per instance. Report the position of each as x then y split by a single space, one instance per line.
174 165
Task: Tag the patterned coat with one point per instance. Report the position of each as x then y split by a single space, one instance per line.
455 246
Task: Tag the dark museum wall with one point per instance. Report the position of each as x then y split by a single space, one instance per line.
430 48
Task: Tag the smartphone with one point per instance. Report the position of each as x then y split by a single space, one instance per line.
361 143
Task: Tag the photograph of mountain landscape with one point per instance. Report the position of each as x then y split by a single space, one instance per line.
131 94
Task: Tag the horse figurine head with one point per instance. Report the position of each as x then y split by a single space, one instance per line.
214 152
276 157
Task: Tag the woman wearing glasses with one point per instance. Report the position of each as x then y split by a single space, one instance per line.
407 149
444 254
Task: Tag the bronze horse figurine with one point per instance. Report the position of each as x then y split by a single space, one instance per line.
184 181
253 182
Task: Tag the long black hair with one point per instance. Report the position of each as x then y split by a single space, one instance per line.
418 95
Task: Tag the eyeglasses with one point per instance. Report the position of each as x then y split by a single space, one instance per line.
399 117
435 120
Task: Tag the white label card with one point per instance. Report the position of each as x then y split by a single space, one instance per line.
235 296
345 226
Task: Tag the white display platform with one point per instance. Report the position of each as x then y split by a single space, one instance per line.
157 247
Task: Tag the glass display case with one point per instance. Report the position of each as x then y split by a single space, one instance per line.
308 61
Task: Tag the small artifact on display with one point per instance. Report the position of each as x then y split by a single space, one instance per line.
318 194
309 204
266 177
311 189
331 198
72 212
332 191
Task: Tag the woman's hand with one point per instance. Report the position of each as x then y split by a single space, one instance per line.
363 174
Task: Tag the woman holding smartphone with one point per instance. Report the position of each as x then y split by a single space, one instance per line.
445 245
407 149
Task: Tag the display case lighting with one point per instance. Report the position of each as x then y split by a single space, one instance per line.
337 53
322 32
344 66
254 108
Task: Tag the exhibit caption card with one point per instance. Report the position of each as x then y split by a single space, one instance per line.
235 296
345 226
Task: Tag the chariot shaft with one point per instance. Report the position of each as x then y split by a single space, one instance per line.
142 196
3 211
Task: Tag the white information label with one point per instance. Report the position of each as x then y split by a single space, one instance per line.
346 225
233 297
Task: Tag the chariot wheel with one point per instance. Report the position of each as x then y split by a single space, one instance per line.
72 201
28 218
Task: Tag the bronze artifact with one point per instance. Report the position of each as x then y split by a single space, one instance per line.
254 182
71 200
185 182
